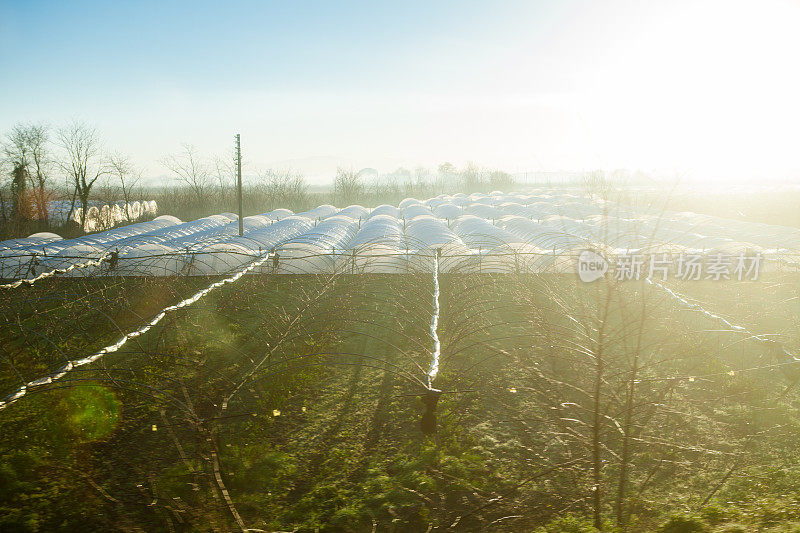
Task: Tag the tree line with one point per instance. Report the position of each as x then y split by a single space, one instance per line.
202 186
50 176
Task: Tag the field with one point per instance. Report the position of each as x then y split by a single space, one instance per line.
297 392
293 403
421 267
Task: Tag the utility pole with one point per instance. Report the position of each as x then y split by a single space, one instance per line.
239 181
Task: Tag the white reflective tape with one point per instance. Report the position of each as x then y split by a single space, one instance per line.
31 281
50 378
434 369
732 327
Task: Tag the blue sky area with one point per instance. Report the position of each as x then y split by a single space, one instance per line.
704 88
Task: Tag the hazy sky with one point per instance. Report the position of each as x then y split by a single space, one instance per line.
711 89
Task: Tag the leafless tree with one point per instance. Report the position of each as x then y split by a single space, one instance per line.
225 171
283 187
3 208
422 182
472 177
404 177
445 176
501 180
127 176
347 186
27 145
596 183
6 178
385 189
83 163
188 168
447 169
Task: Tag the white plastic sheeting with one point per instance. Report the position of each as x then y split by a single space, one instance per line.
497 232
318 213
384 209
101 215
433 371
54 253
317 249
27 242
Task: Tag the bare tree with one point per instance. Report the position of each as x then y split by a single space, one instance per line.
422 182
445 176
447 169
128 176
188 168
596 183
83 163
27 145
499 179
20 207
347 186
283 187
404 177
225 170
472 177
8 170
3 213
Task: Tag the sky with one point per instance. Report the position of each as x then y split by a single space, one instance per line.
706 90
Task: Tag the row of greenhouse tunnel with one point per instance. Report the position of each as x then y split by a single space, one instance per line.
100 215
495 232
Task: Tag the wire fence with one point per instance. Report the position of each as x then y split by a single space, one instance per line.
367 260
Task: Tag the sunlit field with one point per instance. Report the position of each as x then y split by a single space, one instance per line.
303 401
363 267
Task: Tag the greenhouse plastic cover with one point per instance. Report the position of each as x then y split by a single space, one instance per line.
534 232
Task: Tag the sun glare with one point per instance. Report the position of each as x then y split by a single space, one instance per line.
705 88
